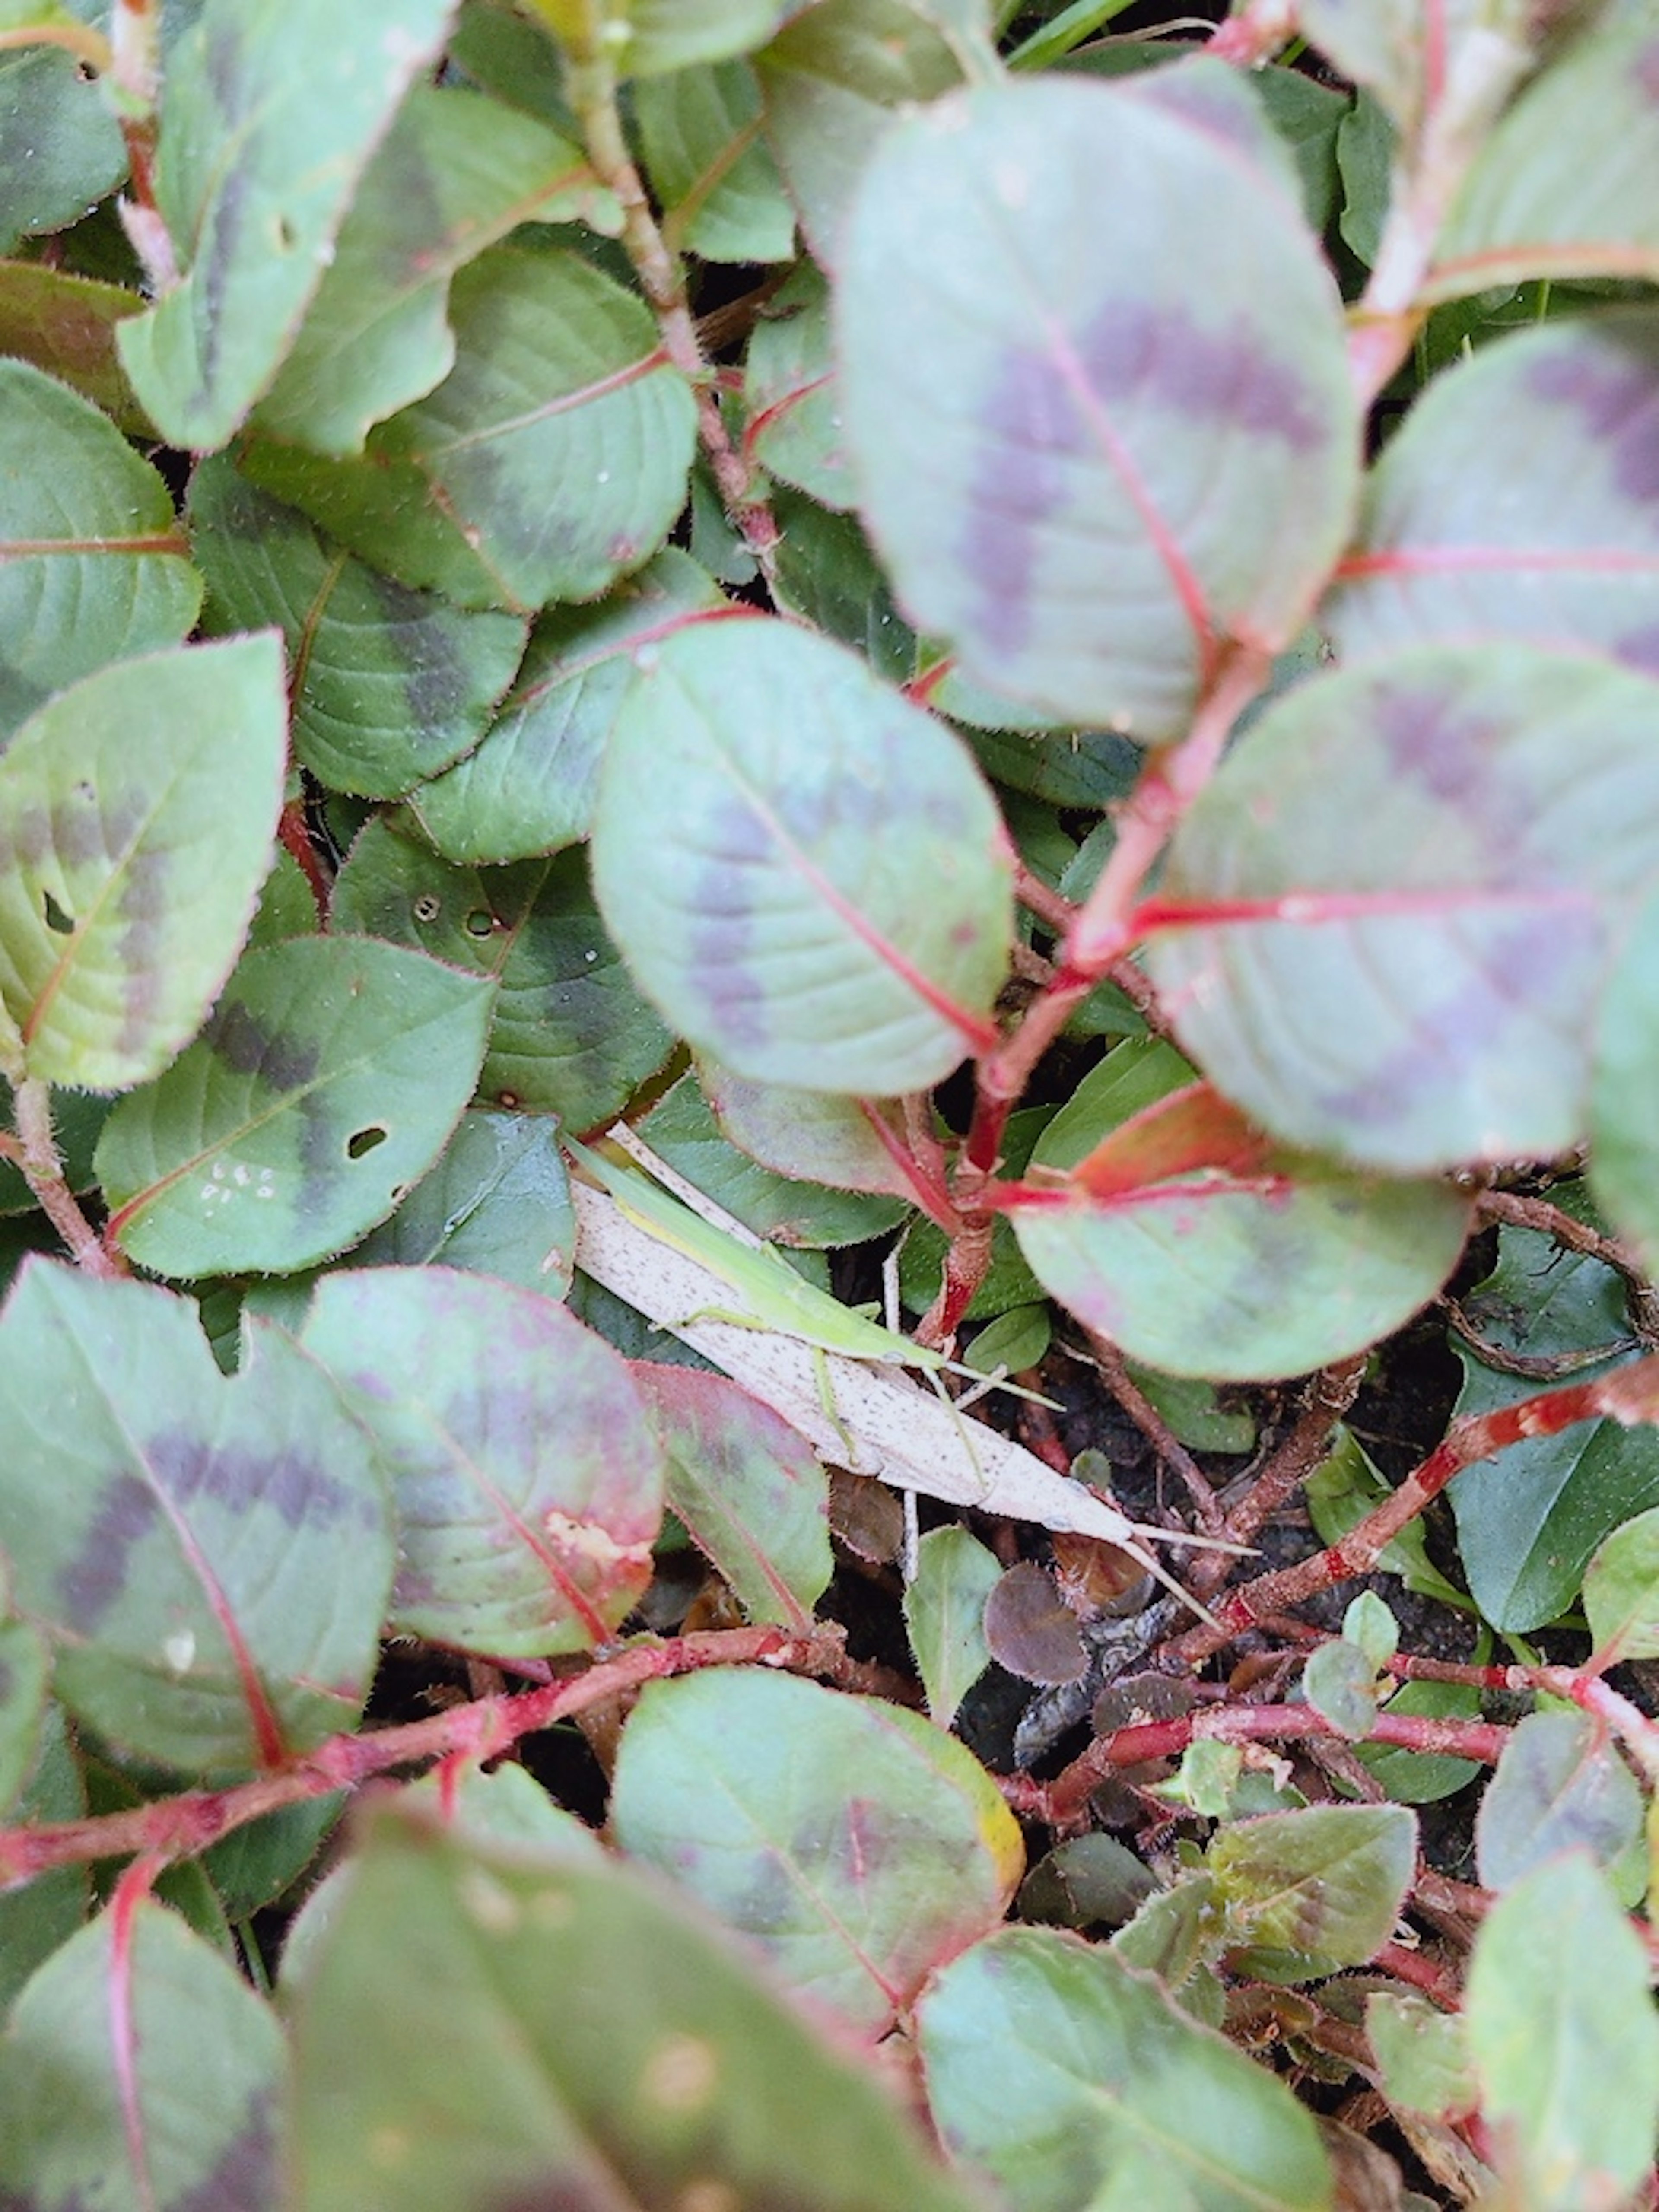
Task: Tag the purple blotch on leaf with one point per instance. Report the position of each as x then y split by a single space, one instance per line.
91 1582
297 1488
1615 390
240 1039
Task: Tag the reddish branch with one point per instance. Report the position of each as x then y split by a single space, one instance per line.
180 1828
1629 1395
1061 1802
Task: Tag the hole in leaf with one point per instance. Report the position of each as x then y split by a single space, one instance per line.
286 237
56 921
427 907
364 1140
480 922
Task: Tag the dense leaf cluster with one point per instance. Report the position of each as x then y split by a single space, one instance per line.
1043 641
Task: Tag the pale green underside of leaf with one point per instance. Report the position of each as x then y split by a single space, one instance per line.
1209 1276
549 462
270 113
804 873
136 814
326 1083
1091 454
1534 206
1429 994
1521 500
93 568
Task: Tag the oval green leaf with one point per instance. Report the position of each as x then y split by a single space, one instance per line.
137 815
174 2071
857 1843
1559 1786
93 565
526 1481
1534 206
388 685
456 171
1068 2079
550 461
215 1578
528 787
570 1035
269 117
805 873
1092 452
1621 1593
1232 1276
474 2032
1521 500
1328 1882
1423 994
748 1489
1561 2028
326 1083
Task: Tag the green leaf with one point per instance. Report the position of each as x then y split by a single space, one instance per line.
1560 1785
1084 480
1372 1628
1516 502
716 182
790 398
474 2032
526 1482
65 325
1529 1521
1088 1882
652 38
1423 1778
1340 1683
326 1083
271 110
748 1489
39 1916
1343 1489
1217 1275
861 1845
214 1576
141 2071
1329 1881
804 873
570 1035
388 685
1561 2028
1069 2081
802 1214
1621 1593
528 787
550 461
1627 1036
1533 205
25 1681
945 1616
136 814
61 148
496 1203
832 79
93 568
1421 2054
456 171
816 1135
1434 982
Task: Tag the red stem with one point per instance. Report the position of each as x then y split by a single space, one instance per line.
180 1828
